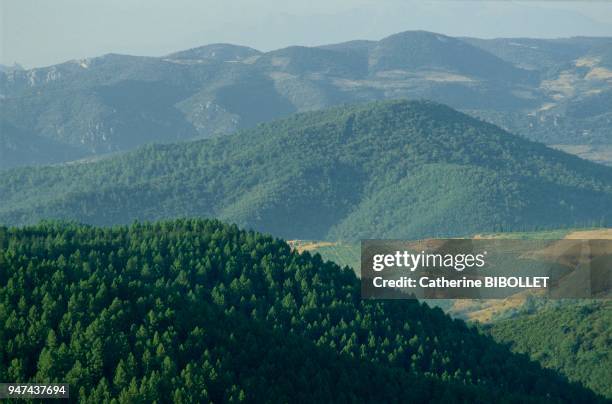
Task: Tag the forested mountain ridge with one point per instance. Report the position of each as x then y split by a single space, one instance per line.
542 89
192 310
573 339
391 169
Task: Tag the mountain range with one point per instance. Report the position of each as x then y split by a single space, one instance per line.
387 169
305 143
553 91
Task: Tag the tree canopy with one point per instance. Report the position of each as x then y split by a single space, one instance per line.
197 311
389 170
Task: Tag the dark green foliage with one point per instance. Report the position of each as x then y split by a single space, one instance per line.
198 311
343 254
573 339
390 169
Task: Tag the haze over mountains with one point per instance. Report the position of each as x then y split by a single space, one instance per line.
554 91
392 169
323 143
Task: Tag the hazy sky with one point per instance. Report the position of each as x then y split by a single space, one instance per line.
42 32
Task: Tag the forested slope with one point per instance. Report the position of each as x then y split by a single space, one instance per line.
574 339
193 310
387 169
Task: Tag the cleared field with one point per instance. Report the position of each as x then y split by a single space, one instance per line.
343 254
482 311
308 245
485 311
598 153
597 234
526 235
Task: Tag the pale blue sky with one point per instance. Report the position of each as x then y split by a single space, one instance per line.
42 32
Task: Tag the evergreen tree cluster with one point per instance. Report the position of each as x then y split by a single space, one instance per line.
574 339
393 169
199 311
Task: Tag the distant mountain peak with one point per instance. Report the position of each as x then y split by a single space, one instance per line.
554 91
418 50
417 33
218 51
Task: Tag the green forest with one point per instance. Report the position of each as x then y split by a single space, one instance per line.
186 227
573 338
393 169
570 336
200 311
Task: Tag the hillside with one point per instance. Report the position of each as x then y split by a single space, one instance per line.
390 169
543 54
575 78
570 336
20 148
191 311
553 91
572 339
421 50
